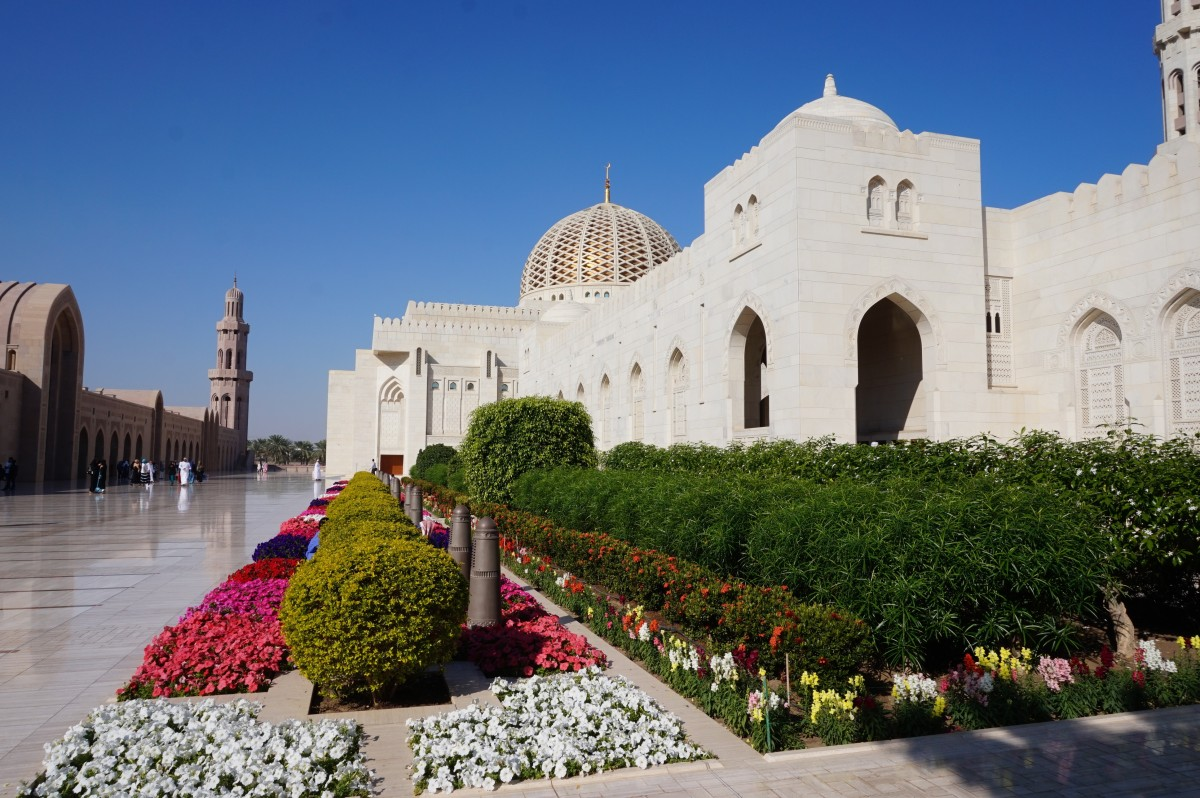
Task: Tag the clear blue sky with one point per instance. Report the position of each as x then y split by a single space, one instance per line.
344 158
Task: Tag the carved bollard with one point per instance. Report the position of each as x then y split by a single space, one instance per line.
483 608
460 538
397 494
414 493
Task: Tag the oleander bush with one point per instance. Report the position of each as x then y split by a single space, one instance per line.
506 439
372 613
974 561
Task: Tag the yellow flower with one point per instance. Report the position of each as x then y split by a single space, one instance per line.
939 706
857 682
762 672
1196 641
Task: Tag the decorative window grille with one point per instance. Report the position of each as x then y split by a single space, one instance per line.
998 302
1101 377
1184 369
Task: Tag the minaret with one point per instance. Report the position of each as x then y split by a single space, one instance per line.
230 401
1178 51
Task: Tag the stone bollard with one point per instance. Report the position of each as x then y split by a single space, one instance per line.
484 606
395 485
460 538
414 492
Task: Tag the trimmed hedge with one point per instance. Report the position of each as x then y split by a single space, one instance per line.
372 613
702 603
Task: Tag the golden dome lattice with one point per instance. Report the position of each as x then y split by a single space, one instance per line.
604 245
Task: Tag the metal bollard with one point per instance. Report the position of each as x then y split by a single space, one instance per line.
483 609
397 494
460 538
414 492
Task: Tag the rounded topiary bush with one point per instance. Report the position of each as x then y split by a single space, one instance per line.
365 507
372 613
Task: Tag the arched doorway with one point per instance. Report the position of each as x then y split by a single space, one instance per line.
82 468
748 372
391 428
889 400
62 394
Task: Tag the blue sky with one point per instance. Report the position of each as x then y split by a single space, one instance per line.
344 158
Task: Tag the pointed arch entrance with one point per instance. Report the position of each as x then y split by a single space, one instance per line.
890 397
391 428
748 386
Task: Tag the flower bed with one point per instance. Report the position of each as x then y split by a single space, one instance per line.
269 568
527 640
156 749
564 725
257 598
289 546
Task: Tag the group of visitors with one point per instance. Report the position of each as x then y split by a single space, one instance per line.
144 471
10 474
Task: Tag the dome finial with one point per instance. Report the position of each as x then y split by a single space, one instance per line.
607 184
830 86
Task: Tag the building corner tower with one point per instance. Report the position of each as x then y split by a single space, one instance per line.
230 401
1178 51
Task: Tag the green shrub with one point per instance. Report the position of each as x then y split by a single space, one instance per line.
365 507
372 613
338 533
506 439
433 455
438 473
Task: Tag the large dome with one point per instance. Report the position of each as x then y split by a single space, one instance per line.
601 246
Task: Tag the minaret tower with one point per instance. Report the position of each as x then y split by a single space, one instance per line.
1177 45
230 380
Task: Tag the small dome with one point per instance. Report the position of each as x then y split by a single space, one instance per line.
835 106
604 245
234 294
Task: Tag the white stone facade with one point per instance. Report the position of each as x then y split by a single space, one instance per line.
848 282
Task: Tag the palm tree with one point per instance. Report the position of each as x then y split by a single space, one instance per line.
303 451
278 449
257 447
319 450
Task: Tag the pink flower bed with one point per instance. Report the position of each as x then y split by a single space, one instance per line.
258 598
526 640
299 526
209 653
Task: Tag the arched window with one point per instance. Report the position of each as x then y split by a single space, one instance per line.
224 412
452 386
489 364
905 197
220 357
739 225
1178 103
436 386
876 200
470 386
1101 375
605 412
579 394
1183 367
229 359
677 373
988 318
10 360
752 218
637 396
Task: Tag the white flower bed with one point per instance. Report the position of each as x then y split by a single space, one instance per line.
156 748
562 725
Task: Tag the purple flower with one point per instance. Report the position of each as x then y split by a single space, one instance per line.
290 546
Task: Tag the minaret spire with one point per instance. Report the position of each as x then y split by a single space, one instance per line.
1179 58
607 185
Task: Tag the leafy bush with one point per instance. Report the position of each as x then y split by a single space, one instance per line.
433 455
372 613
292 547
438 473
507 439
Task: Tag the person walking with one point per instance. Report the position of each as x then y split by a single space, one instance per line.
317 470
374 468
147 472
185 472
10 474
99 472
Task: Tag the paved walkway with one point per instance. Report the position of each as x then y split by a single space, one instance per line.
86 581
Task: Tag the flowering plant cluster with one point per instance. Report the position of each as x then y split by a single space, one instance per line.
270 568
157 749
207 653
299 526
291 546
564 725
439 536
259 598
527 639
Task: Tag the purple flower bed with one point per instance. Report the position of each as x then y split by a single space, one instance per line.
318 503
439 537
258 598
290 546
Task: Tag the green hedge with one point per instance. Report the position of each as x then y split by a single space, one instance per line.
973 562
702 603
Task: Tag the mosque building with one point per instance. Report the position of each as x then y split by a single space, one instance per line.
54 426
848 282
